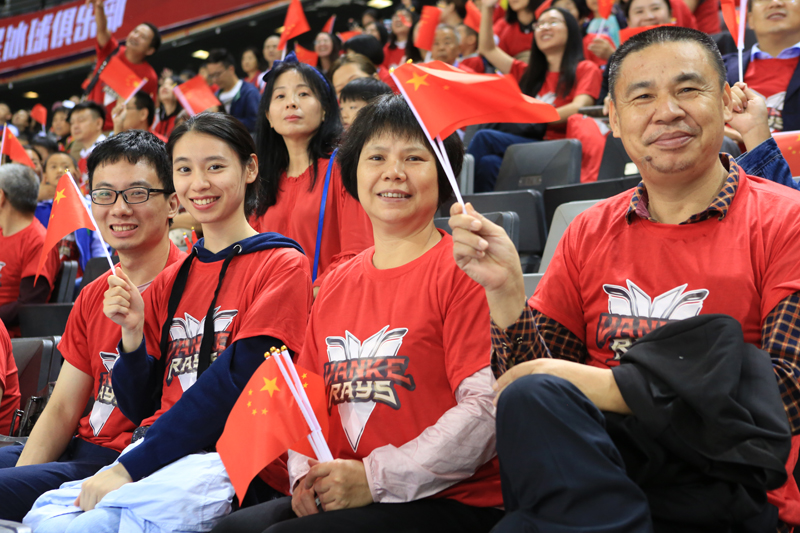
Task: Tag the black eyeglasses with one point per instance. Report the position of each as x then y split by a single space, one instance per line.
134 195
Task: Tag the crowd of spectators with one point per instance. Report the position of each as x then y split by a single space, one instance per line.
327 155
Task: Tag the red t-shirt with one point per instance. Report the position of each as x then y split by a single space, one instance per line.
682 14
393 57
588 79
473 64
9 381
430 323
706 15
346 231
513 39
89 344
143 70
610 283
770 78
19 257
264 293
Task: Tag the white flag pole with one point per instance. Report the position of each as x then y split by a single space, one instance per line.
437 149
3 142
316 432
94 222
740 43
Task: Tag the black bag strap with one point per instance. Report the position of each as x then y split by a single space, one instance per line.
100 69
204 359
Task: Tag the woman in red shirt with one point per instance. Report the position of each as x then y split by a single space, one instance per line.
402 336
300 188
515 31
328 47
254 67
395 50
557 74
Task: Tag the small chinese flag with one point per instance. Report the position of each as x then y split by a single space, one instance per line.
473 18
39 114
195 95
427 27
789 143
305 55
328 27
542 8
14 149
69 213
121 79
604 8
731 17
266 421
345 35
294 24
446 98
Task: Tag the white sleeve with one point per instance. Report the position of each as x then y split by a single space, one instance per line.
449 451
297 466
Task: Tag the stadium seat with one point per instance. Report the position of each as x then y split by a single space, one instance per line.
531 282
508 220
615 163
528 206
466 180
42 320
727 45
555 196
7 526
538 165
65 283
95 267
565 213
34 358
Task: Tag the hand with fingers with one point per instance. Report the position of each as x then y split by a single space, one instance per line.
304 499
486 254
96 487
123 304
338 484
750 115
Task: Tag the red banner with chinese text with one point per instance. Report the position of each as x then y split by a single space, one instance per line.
69 29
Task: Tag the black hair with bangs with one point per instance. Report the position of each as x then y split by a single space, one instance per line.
391 114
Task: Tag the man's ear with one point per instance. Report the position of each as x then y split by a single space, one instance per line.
173 205
727 103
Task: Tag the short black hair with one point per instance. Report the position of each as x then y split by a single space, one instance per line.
470 30
391 114
232 132
142 100
364 89
45 141
663 35
155 43
382 31
221 55
366 45
74 163
96 109
134 146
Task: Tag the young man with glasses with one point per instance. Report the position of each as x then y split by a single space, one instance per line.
238 98
133 202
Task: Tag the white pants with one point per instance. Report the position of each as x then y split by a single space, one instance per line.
189 495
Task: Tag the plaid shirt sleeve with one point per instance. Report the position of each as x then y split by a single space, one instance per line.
533 336
780 337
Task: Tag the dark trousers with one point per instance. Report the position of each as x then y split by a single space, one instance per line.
488 147
423 516
560 471
21 486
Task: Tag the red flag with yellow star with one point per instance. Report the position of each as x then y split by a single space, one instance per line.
427 24
14 149
304 55
266 421
445 98
69 213
195 95
121 79
789 143
294 24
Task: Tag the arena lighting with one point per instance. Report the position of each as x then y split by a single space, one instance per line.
200 54
30 94
379 4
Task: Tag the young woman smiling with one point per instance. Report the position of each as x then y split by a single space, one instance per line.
300 186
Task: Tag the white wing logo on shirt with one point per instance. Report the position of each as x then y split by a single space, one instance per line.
355 384
632 313
105 402
186 336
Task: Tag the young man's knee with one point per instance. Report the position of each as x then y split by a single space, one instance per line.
532 392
